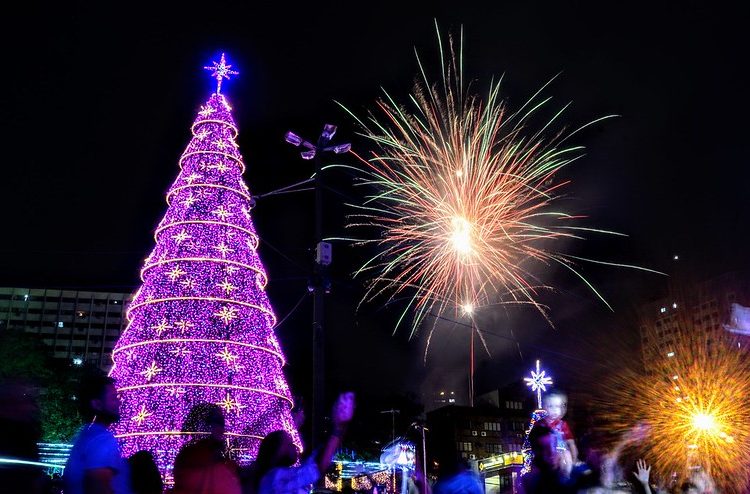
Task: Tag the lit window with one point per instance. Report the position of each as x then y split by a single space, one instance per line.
670 354
451 400
663 310
60 324
675 257
78 361
674 305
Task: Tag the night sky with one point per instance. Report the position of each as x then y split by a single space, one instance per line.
98 101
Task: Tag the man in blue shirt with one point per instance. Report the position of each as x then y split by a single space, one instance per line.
95 465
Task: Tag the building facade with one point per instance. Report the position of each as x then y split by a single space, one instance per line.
81 326
704 306
488 436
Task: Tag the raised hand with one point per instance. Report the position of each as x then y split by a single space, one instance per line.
642 472
343 409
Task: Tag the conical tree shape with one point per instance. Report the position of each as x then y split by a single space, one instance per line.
200 327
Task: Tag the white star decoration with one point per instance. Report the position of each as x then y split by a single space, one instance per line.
202 193
142 415
221 71
175 273
176 391
183 325
203 133
222 213
151 371
192 178
180 351
192 247
206 111
538 382
227 314
181 237
190 284
230 404
161 327
226 286
189 200
222 247
227 356
222 167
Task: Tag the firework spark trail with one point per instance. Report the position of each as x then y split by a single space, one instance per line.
462 199
695 404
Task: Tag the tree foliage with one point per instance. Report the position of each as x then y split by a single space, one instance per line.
24 358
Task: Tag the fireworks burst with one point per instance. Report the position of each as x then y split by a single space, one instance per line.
693 398
463 199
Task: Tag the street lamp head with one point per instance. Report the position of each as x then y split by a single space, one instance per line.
308 155
292 138
329 130
342 148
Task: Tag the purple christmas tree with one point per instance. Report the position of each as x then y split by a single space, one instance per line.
201 326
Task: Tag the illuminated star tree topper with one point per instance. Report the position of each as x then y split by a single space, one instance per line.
221 71
538 382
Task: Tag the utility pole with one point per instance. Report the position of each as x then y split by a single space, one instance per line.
422 429
471 367
468 309
393 422
319 283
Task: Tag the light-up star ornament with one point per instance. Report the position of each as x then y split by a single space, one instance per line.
538 382
142 415
221 71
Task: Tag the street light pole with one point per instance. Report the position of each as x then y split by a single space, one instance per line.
471 366
393 413
319 284
318 287
468 309
422 429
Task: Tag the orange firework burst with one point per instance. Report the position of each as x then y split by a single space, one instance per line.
693 398
462 200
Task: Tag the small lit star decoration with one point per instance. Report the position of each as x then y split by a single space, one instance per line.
142 415
221 71
538 383
200 327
